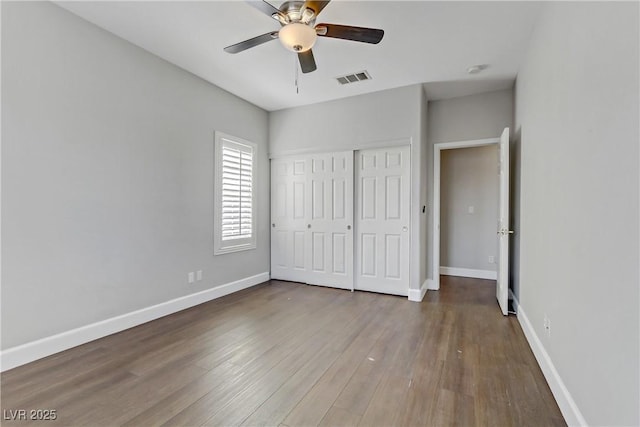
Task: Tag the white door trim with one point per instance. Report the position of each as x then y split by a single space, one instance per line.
437 150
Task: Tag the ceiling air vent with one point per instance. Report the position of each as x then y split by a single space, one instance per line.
352 78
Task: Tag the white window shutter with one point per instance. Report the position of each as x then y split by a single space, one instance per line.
235 194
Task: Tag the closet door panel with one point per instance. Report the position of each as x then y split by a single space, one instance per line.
330 224
382 220
288 219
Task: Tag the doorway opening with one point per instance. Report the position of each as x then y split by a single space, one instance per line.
502 218
468 212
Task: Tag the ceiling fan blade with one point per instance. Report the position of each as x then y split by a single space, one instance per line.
264 7
316 6
307 61
239 47
346 32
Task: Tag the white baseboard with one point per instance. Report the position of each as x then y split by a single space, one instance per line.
432 286
44 347
568 407
469 272
417 295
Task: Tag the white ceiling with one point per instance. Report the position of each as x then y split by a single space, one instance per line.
432 42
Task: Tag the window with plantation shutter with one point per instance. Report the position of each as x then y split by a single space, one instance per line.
235 194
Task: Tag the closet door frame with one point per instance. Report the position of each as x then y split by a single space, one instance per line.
306 153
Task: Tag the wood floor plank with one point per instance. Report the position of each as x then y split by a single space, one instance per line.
176 402
385 352
267 404
289 354
340 417
419 404
117 405
220 398
385 407
313 407
30 387
330 336
309 337
285 332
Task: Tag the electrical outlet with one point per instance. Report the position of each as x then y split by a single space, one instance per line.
191 277
471 209
492 259
199 275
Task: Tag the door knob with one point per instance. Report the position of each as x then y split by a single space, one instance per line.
308 225
348 227
404 229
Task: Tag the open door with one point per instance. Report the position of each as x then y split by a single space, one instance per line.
502 286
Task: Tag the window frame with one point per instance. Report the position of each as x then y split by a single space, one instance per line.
220 246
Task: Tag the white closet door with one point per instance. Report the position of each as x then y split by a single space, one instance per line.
383 220
330 210
288 219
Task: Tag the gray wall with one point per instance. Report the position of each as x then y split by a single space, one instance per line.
469 178
458 119
577 120
479 116
107 176
357 122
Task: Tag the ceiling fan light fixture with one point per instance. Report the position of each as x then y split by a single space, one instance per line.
297 37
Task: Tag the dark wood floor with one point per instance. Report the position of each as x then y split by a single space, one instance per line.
289 354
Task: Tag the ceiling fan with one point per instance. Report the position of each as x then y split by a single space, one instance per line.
299 32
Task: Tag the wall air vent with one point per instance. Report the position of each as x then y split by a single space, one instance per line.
352 78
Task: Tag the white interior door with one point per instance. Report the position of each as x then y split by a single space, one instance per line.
502 286
383 220
330 220
288 218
